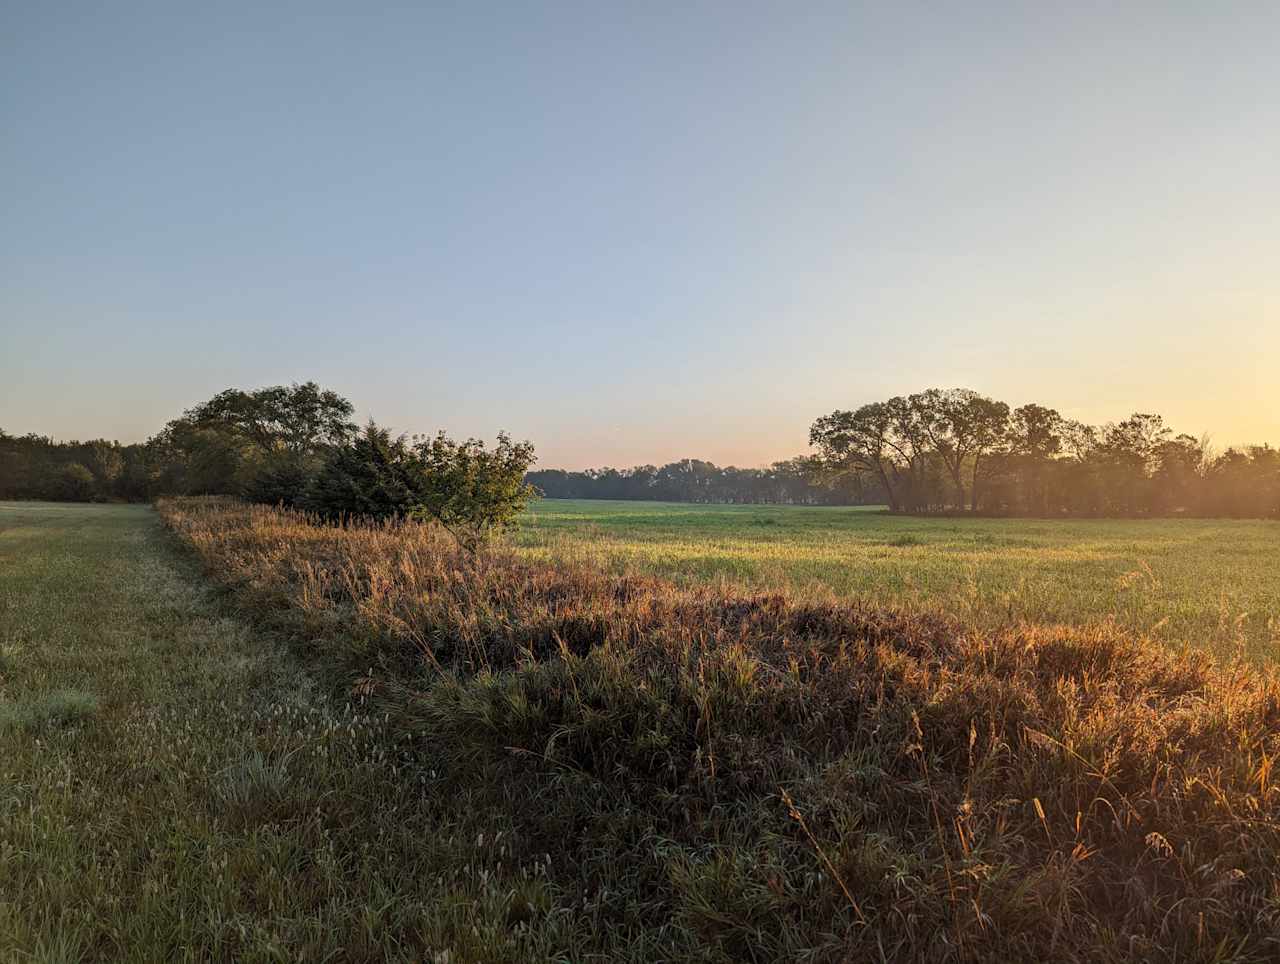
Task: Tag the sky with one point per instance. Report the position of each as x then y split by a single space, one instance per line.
634 233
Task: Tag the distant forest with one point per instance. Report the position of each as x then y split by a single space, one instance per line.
938 451
798 481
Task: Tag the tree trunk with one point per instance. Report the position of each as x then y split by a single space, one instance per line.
973 494
888 488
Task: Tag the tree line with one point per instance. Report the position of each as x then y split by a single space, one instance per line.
291 445
959 451
798 481
231 444
35 467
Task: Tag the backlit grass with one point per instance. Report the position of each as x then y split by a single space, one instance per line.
702 773
1214 584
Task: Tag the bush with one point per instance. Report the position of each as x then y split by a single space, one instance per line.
280 479
468 489
472 491
374 477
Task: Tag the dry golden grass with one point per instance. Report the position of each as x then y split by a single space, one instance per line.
714 774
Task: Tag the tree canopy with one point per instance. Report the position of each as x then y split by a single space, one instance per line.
302 419
956 451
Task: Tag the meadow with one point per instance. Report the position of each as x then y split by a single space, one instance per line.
179 785
1209 583
228 733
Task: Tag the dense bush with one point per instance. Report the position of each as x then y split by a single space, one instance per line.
374 476
281 478
473 491
470 490
703 774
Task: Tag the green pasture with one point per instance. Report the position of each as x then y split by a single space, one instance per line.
1205 582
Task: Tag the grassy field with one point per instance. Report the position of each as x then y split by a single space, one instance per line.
363 744
1210 583
175 785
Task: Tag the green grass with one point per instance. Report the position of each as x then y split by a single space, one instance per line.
614 781
1209 583
177 786
56 708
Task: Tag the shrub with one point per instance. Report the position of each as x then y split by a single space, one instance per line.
281 478
375 477
473 491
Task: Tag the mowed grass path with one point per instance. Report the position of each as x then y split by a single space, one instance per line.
1208 583
175 787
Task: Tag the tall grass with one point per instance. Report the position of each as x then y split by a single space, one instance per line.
702 773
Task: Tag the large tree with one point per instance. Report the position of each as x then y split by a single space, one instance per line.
301 419
1127 456
963 428
1033 441
906 442
860 441
248 441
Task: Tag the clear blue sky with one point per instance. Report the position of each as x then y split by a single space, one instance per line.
637 232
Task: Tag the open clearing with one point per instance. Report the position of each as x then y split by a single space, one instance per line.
1212 583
